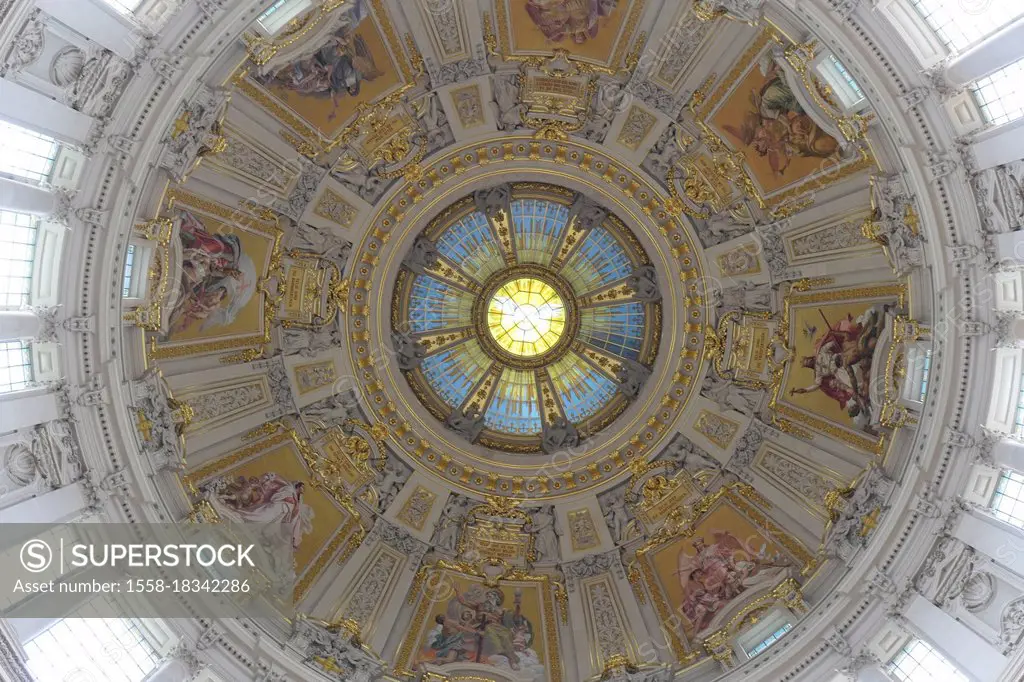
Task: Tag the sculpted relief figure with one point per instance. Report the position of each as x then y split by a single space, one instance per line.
588 214
469 426
409 352
493 201
423 256
632 377
730 396
545 534
644 283
559 435
507 107
449 526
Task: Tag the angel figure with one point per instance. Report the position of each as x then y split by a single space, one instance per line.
778 127
712 576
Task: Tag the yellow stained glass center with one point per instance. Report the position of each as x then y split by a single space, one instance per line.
526 317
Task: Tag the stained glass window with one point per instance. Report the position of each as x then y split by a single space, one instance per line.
581 389
600 260
538 229
434 305
470 243
453 373
514 407
526 317
618 329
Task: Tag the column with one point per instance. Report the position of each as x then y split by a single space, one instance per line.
96 23
993 538
22 409
25 198
57 506
992 54
12 656
958 643
19 325
30 109
1009 453
999 145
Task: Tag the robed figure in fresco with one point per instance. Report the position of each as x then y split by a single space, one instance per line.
217 278
478 627
777 126
714 575
336 69
842 362
573 19
269 500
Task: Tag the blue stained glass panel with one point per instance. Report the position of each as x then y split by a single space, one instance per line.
434 305
617 329
514 408
453 373
581 389
471 245
599 261
538 229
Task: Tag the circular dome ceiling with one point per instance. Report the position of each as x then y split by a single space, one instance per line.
526 317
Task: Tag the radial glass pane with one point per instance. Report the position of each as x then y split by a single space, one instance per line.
538 229
618 329
515 407
962 23
600 260
453 373
581 389
434 305
470 244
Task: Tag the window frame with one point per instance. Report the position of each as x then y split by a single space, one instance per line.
932 651
10 134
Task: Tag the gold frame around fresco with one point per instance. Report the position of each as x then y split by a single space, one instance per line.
499 42
791 419
745 500
309 141
242 220
279 433
705 104
423 593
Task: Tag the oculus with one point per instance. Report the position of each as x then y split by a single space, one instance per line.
526 317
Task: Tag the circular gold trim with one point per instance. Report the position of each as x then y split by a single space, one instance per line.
493 348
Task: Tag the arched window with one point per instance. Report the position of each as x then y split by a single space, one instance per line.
918 661
124 6
1000 95
28 155
275 17
17 253
960 25
1008 500
86 646
15 366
